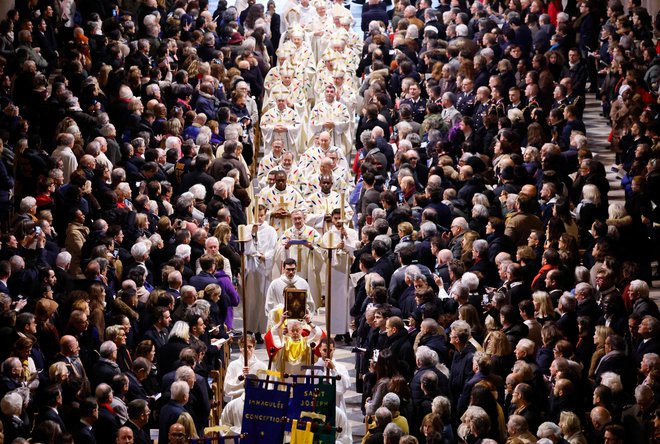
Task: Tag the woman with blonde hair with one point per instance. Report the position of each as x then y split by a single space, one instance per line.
498 347
601 333
218 307
97 308
117 334
543 308
407 235
570 426
189 425
58 373
82 305
466 252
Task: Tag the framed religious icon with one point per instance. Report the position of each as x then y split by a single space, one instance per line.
295 303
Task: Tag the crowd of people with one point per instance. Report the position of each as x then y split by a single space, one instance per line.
151 150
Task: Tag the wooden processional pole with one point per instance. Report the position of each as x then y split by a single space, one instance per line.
242 240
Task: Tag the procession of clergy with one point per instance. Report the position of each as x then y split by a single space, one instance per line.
307 126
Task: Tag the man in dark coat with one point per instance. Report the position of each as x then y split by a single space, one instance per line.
383 266
106 367
89 414
199 175
374 10
399 343
170 413
106 428
461 365
138 416
52 399
206 276
230 161
616 360
648 330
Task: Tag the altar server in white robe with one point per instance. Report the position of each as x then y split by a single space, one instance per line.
345 240
288 279
259 252
234 385
301 242
327 362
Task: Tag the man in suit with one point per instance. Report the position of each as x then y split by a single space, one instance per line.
587 305
616 360
138 416
89 414
461 366
374 10
158 333
52 399
68 354
205 277
383 266
648 330
12 370
107 427
170 413
140 372
567 321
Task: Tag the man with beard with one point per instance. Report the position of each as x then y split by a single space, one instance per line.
279 201
289 279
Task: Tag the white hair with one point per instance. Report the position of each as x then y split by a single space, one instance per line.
12 404
27 203
183 251
198 191
548 429
179 390
462 223
470 280
63 259
181 329
612 381
139 250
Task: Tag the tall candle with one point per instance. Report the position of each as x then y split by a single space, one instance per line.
341 205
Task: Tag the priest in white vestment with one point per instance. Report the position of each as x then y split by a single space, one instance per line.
270 161
333 116
281 122
327 361
279 201
321 203
301 242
